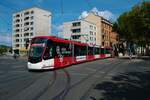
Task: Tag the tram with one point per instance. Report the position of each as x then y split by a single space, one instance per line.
50 52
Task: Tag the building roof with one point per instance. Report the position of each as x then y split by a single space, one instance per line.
103 19
34 7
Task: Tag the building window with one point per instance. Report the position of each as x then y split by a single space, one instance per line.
76 30
31 34
32 12
91 33
91 27
17 45
17 30
26 29
17 21
31 28
31 23
76 36
26 34
31 17
26 13
17 35
17 15
76 24
17 25
26 18
102 43
27 23
17 40
91 38
102 36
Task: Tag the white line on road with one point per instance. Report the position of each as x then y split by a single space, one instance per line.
91 69
102 72
20 71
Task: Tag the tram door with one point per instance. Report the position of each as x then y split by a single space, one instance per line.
63 55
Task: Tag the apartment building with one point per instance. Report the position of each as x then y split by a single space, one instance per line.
81 31
27 24
104 35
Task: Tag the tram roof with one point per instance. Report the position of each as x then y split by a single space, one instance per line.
61 40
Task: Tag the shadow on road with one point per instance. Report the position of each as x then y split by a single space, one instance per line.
126 86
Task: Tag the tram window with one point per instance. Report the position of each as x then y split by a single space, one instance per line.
96 50
80 50
102 51
90 51
63 50
108 51
48 53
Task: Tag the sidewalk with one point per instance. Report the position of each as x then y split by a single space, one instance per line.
134 57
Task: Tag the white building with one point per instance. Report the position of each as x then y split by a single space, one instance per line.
81 31
27 24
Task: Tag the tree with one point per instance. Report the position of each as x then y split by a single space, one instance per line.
134 25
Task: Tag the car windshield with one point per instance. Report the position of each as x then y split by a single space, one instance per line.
36 51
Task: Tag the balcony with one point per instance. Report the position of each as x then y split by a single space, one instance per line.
17 20
17 30
26 18
18 15
26 23
75 27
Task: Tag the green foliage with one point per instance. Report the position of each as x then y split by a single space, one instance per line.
135 25
3 49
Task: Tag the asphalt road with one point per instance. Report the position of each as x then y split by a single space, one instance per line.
107 79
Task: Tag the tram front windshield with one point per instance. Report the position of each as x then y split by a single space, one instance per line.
35 54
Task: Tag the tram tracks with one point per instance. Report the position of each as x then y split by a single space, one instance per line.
11 85
68 87
61 95
114 67
50 83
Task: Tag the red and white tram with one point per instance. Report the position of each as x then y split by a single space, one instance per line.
49 52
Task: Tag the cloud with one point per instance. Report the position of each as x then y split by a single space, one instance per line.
83 15
5 39
57 30
106 14
57 27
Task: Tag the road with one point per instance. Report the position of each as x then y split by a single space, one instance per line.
107 79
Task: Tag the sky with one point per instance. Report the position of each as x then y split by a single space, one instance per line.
62 11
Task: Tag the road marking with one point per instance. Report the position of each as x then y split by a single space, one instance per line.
18 66
20 71
108 77
91 69
111 74
102 72
79 74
